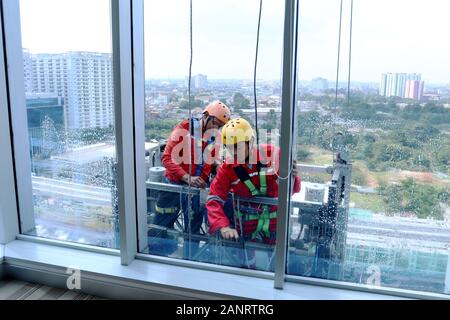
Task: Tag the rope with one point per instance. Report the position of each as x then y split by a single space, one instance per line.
337 77
295 88
350 54
254 87
254 74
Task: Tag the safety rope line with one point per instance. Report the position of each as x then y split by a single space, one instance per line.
254 73
295 88
350 54
337 80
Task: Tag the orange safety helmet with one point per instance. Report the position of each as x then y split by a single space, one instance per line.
218 110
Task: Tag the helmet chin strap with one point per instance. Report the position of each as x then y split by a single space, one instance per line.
208 119
250 149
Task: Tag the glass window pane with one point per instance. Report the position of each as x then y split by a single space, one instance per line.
392 230
69 99
224 43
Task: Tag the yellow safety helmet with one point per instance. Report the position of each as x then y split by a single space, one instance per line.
236 130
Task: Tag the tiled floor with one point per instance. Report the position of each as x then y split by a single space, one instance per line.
20 290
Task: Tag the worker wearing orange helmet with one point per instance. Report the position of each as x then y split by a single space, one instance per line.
191 146
248 171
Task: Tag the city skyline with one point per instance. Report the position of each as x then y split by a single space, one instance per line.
379 45
199 81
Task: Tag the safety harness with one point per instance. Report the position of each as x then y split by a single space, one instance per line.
170 210
196 133
263 217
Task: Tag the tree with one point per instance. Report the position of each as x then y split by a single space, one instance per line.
302 154
421 199
392 198
308 124
271 121
358 177
390 152
412 197
240 102
184 104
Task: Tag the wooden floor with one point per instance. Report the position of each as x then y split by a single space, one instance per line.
19 290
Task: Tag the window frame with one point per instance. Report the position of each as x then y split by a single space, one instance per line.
127 30
9 218
288 103
15 83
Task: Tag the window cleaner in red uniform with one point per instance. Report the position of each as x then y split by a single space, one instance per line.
250 172
176 159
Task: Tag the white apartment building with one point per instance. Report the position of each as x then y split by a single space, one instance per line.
84 79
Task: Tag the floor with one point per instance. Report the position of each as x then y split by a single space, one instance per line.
20 290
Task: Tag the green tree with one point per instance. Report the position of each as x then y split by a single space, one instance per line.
302 154
240 102
412 197
271 121
390 152
184 104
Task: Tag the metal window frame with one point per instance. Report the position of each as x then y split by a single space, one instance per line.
122 42
12 83
128 66
391 291
9 217
16 97
287 116
288 102
137 24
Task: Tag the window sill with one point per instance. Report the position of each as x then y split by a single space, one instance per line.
103 275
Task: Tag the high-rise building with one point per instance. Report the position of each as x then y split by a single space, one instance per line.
383 84
399 85
83 79
200 81
319 84
414 89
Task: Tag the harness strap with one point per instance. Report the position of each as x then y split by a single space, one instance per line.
266 215
243 175
169 210
263 220
197 134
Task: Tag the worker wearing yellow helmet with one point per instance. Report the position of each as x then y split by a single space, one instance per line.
189 157
248 171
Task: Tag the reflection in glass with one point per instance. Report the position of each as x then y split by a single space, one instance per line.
223 63
393 229
69 102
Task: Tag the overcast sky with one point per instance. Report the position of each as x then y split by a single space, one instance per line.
388 36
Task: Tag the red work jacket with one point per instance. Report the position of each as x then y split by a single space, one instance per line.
227 181
177 163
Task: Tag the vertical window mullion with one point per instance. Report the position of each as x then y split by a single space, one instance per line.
139 119
9 223
124 121
16 93
286 138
